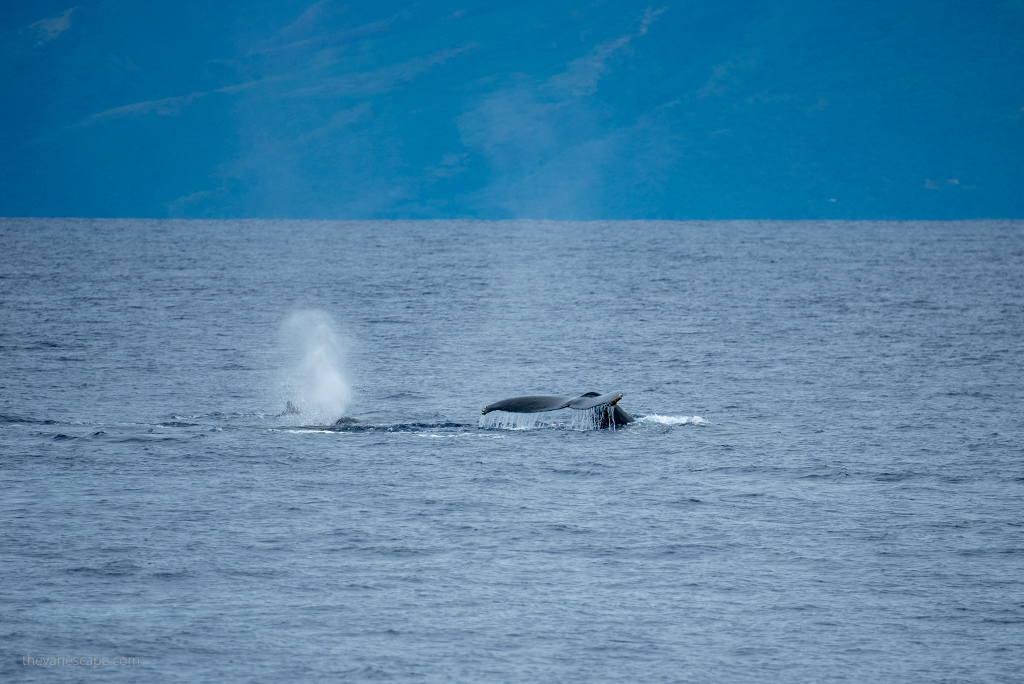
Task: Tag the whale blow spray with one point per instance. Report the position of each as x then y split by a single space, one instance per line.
315 383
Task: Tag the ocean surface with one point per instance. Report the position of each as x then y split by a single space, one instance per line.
825 481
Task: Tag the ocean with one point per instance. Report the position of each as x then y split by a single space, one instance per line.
825 480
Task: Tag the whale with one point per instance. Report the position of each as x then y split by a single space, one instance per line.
606 406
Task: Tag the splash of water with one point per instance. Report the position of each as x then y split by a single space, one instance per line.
314 382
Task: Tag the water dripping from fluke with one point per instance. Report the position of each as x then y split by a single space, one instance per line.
504 420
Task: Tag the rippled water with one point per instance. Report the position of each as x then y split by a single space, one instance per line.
824 483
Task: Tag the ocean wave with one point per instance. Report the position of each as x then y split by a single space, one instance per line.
4 418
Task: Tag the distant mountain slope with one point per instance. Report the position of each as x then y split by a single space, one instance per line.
799 109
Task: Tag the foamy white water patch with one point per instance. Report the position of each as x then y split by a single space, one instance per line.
309 432
314 378
672 420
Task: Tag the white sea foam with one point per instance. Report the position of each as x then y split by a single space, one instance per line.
672 420
314 381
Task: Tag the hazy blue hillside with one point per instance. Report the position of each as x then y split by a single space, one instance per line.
801 109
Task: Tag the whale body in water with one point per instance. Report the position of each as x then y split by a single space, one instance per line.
606 406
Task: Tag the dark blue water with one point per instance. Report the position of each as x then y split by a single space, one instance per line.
825 482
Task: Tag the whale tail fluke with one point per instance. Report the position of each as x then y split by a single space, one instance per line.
600 410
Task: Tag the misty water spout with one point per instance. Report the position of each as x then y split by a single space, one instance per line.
314 382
